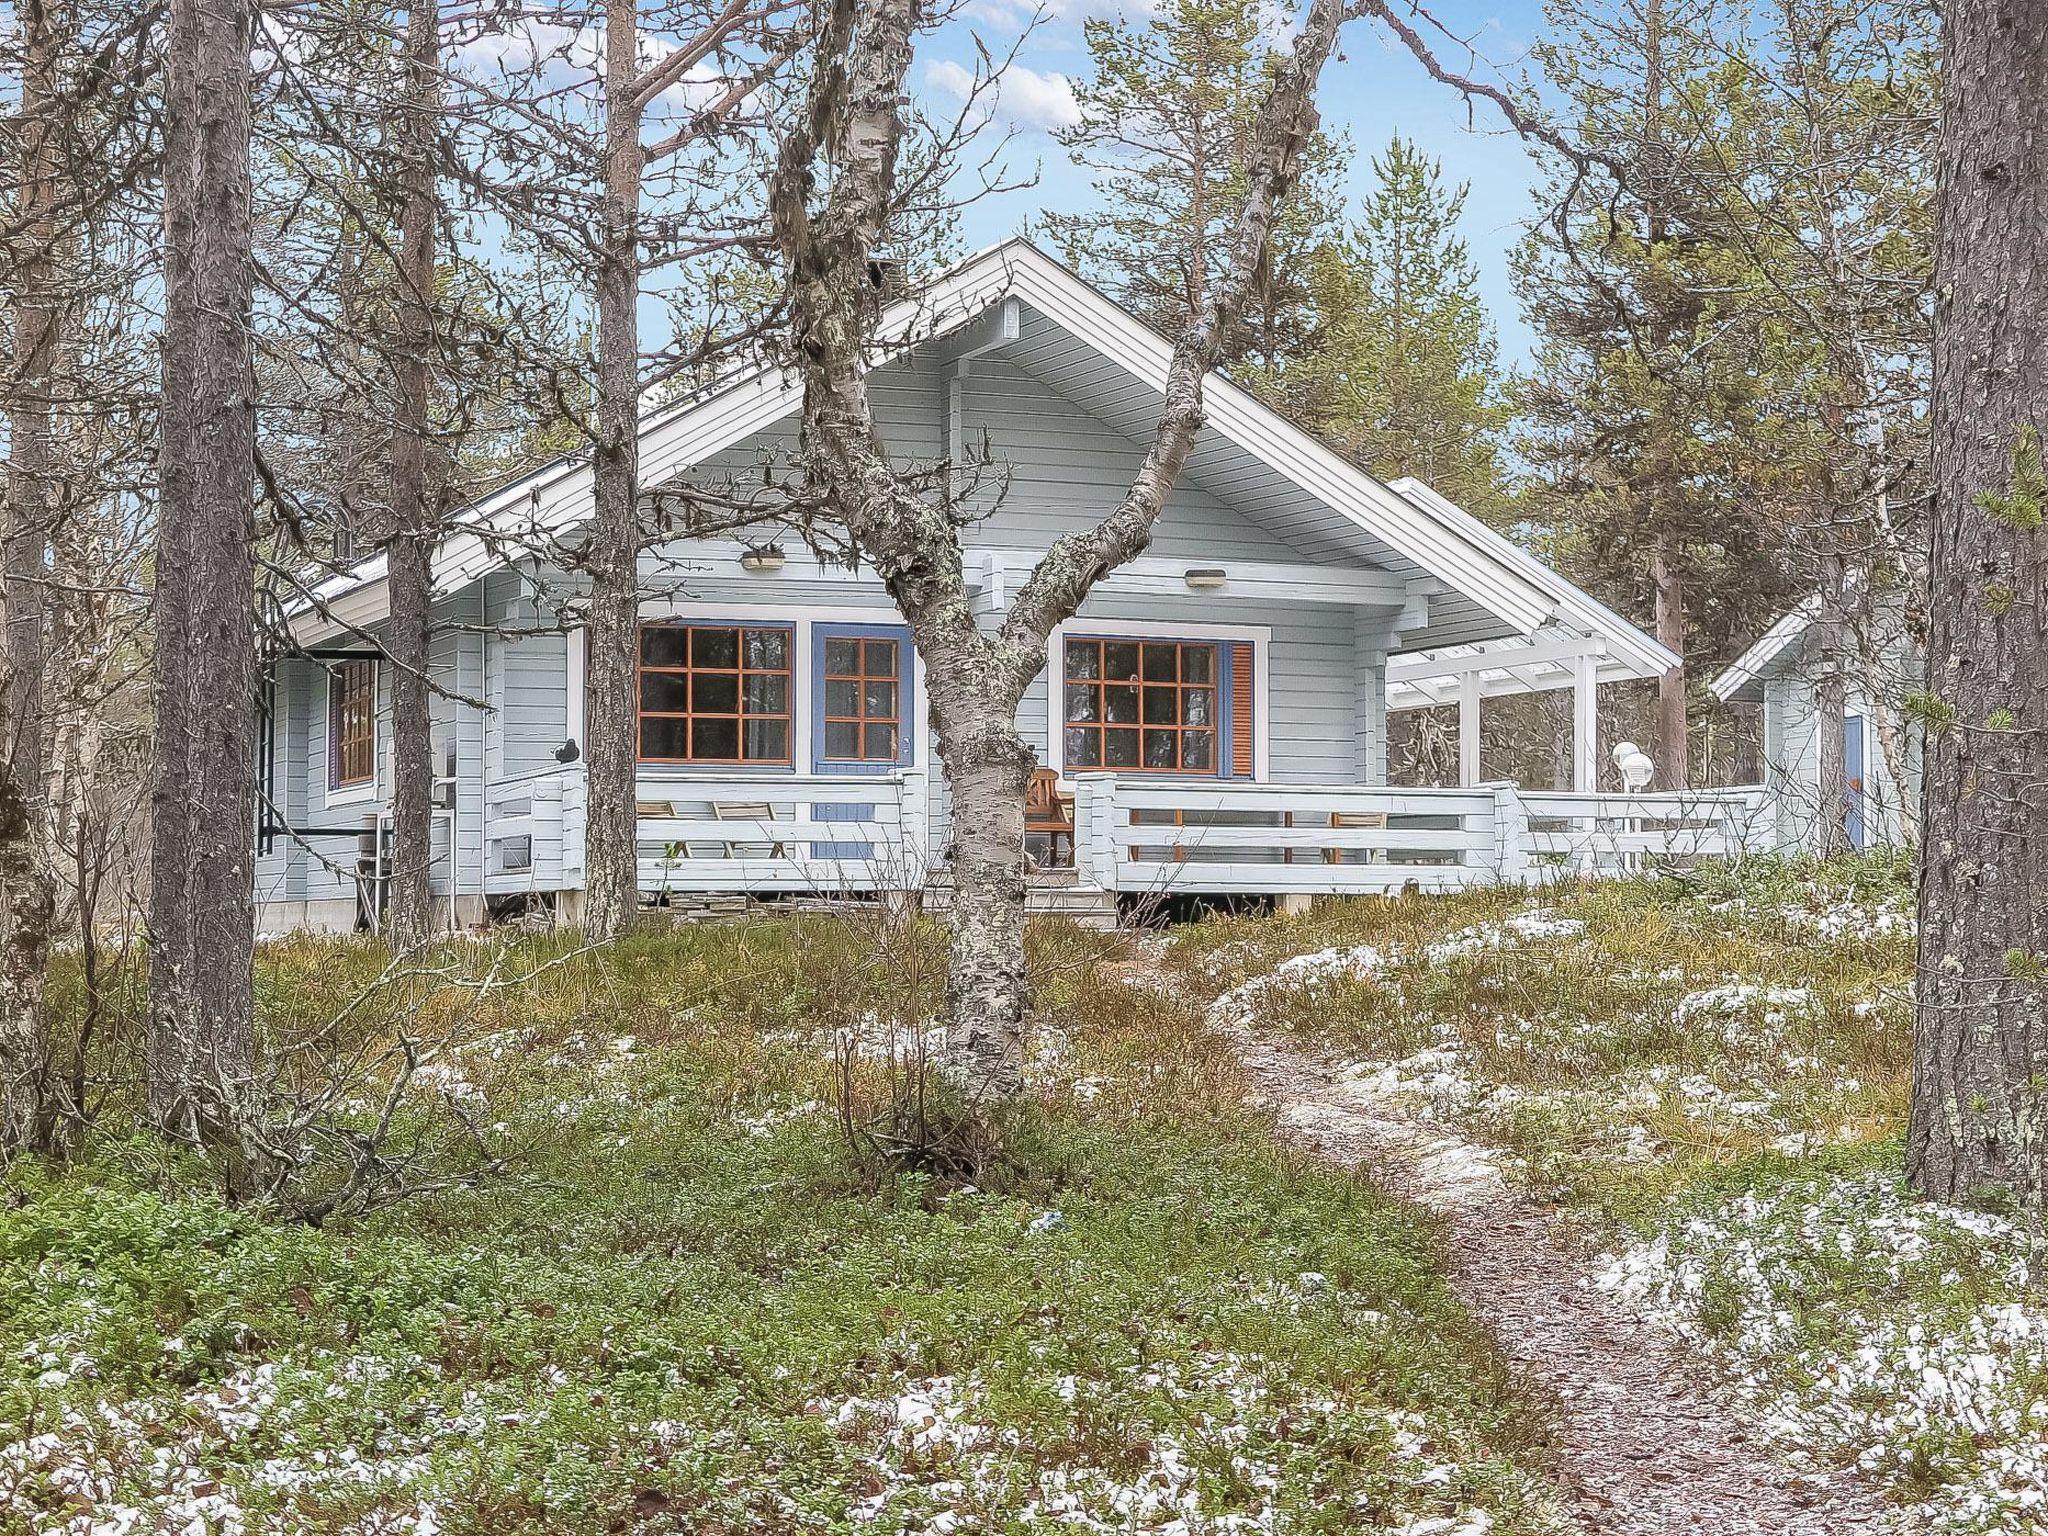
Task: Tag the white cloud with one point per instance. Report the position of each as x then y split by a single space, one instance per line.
1023 97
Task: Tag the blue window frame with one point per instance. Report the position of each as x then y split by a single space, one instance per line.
863 709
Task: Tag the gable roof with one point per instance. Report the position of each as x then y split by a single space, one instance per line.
1744 675
1084 345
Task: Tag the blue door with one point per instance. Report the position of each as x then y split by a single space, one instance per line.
1852 776
862 715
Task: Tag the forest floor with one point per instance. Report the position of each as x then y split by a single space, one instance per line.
692 1301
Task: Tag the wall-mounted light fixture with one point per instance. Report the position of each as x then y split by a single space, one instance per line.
763 557
1206 578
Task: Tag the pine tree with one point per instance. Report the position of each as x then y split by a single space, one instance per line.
1166 124
1401 365
1639 417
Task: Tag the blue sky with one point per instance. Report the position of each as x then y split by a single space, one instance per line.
1370 93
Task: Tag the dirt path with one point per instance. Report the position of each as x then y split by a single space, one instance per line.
1640 1450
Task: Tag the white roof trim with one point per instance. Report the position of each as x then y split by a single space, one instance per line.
1751 665
1439 537
1635 653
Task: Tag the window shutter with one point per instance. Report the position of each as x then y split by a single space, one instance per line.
1243 722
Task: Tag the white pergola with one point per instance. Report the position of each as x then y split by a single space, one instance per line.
1555 657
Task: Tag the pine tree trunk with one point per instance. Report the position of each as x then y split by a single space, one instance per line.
612 748
1672 747
202 786
1831 706
409 553
1980 1046
35 320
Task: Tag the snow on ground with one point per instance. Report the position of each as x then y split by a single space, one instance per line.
932 1441
1925 1361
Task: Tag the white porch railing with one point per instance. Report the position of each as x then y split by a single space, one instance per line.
1165 836
1162 836
725 832
1618 833
807 833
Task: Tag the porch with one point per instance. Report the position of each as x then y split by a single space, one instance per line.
818 835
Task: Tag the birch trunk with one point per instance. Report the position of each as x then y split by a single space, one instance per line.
35 316
409 554
202 786
854 123
1980 1043
612 715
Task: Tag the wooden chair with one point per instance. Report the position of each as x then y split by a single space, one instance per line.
747 810
1354 819
1049 814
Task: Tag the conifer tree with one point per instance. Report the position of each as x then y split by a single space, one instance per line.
1400 367
1166 123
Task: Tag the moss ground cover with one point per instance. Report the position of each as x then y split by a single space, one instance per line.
689 1307
1711 1074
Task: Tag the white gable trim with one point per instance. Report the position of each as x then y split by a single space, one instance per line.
1753 663
543 506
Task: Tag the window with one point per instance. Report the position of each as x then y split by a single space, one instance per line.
863 712
1148 705
714 693
351 724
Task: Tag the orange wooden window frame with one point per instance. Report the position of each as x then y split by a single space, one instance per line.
739 672
352 724
865 646
1179 686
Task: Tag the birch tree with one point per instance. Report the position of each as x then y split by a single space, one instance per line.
1978 1128
831 202
202 787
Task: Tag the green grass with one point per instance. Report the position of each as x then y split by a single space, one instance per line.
688 1307
1580 1053
1711 1076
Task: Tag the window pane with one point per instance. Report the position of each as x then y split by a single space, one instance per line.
1120 660
767 693
842 740
664 691
1120 749
881 658
1080 702
1161 706
842 657
1084 659
1162 663
1198 750
767 741
1084 749
664 738
1120 705
717 739
662 646
1197 707
1198 664
881 745
715 693
881 701
768 648
1161 749
842 700
715 647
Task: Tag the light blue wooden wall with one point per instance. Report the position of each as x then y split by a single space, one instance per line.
1325 695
